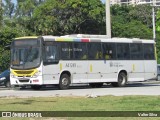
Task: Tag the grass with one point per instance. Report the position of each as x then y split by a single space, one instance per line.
106 103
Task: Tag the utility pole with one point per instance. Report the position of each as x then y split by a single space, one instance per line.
0 13
0 3
153 20
108 19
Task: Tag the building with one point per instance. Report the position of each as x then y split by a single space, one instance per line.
134 2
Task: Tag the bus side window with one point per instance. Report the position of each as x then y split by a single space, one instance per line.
98 55
66 51
136 51
148 51
95 52
51 54
109 51
123 52
107 57
84 57
80 51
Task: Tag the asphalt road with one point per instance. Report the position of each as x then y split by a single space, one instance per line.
139 88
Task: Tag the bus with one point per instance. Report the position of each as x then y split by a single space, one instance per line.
73 59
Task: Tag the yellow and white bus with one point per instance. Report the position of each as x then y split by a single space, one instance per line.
65 60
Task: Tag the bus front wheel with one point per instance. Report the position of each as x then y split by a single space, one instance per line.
64 82
122 80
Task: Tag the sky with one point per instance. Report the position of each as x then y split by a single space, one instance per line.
103 1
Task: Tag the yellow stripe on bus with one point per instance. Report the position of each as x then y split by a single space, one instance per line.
91 69
60 66
133 67
26 37
64 39
155 50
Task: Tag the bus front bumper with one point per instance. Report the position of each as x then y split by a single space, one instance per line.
26 81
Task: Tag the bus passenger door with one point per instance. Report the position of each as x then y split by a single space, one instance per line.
51 69
51 74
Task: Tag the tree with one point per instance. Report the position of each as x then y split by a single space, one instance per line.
4 59
131 21
25 8
6 36
24 15
8 8
69 17
1 14
142 13
158 21
132 29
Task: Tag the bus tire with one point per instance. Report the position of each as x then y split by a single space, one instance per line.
64 82
36 87
95 85
122 80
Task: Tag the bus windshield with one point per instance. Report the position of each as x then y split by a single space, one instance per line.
26 56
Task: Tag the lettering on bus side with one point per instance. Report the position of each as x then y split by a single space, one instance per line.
115 64
71 65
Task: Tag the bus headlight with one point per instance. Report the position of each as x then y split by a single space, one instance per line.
37 74
12 75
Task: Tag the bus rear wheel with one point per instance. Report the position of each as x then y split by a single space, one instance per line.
64 82
96 85
122 80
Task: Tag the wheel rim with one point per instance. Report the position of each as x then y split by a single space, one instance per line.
122 79
65 81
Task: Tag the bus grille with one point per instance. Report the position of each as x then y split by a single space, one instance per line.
23 80
22 73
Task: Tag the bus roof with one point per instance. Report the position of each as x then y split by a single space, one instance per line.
26 37
95 39
88 38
